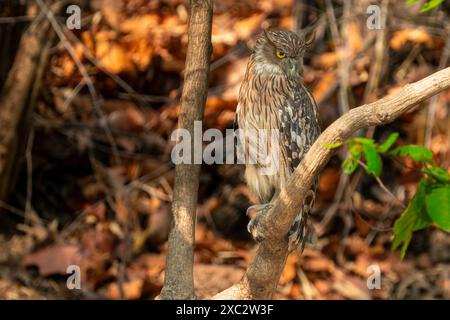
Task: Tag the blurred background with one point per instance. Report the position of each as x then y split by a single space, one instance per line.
90 179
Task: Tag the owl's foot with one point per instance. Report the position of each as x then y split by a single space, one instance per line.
301 233
252 226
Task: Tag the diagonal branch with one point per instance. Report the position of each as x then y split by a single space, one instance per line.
262 275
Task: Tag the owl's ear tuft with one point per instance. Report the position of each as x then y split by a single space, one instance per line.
309 39
266 34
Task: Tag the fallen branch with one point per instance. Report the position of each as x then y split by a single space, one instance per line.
262 275
179 275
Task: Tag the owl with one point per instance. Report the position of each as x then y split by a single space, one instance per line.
273 98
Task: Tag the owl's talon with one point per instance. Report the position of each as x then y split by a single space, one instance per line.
252 226
259 208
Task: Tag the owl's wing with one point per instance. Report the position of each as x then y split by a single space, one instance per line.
299 129
298 125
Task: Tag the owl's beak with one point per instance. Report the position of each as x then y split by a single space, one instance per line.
294 69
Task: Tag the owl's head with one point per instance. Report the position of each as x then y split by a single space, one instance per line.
281 51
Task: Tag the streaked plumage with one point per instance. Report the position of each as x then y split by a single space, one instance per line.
272 96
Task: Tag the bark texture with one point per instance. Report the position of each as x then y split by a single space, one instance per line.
179 279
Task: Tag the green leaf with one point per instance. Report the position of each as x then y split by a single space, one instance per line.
410 2
350 165
373 159
438 207
438 173
389 142
430 5
355 149
333 145
417 153
364 141
414 218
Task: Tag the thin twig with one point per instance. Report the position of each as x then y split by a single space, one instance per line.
16 19
117 79
343 61
383 186
380 52
366 44
377 228
71 227
333 208
29 160
12 209
87 79
73 94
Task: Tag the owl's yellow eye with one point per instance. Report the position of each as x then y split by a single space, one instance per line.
281 54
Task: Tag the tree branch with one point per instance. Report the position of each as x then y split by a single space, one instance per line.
179 279
261 278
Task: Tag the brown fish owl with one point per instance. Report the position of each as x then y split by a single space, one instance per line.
273 97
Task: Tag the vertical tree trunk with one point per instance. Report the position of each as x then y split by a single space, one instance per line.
10 31
179 282
18 96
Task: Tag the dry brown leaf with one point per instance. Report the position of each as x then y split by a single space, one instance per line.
362 224
206 239
141 52
352 287
356 245
295 291
126 120
318 264
286 23
212 278
140 25
326 60
159 222
322 286
132 290
417 35
112 55
98 243
54 259
97 210
355 38
245 27
112 11
330 59
121 210
328 182
326 81
154 264
290 270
